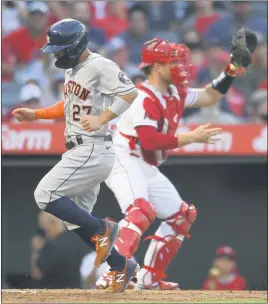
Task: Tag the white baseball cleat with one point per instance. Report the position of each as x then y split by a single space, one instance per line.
104 281
162 285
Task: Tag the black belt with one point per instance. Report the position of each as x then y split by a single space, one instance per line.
79 141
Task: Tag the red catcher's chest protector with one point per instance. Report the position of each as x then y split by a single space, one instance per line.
172 113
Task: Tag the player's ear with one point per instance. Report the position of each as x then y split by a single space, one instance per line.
157 67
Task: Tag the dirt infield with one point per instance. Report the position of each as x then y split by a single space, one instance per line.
96 296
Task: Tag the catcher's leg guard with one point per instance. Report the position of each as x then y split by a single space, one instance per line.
139 217
165 245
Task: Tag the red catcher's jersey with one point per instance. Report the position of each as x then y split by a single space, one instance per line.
236 282
151 108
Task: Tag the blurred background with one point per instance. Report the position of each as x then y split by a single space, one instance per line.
229 179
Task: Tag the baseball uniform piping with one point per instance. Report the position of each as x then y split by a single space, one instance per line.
119 93
72 173
127 176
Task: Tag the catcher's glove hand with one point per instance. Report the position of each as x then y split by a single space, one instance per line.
244 43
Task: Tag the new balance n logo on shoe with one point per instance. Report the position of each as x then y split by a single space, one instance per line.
119 278
103 241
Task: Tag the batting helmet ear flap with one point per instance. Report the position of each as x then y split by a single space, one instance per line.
71 56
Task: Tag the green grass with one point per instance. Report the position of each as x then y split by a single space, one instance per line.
209 301
233 301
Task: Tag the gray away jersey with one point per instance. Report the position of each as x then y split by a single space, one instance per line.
90 88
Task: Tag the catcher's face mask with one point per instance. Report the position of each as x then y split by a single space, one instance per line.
177 55
181 66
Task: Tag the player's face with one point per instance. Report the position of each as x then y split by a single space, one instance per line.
163 71
225 264
58 55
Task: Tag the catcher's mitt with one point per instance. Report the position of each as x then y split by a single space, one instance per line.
244 43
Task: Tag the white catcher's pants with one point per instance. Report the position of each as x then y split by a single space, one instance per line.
132 178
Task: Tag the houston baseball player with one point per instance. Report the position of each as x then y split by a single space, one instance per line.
145 132
95 92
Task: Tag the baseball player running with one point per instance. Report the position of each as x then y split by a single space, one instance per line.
146 131
95 92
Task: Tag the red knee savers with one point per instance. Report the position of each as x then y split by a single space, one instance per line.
181 222
139 217
141 213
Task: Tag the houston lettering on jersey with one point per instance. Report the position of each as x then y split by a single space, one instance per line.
71 87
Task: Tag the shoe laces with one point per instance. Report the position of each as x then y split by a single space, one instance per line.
108 277
95 240
109 274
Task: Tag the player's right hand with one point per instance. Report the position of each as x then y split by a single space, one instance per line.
205 134
24 114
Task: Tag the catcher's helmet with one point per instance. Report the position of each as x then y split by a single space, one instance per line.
67 35
178 55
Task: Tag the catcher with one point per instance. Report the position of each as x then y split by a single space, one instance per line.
146 132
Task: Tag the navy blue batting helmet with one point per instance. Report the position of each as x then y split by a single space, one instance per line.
70 36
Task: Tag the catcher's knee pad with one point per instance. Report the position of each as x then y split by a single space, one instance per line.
139 217
181 222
